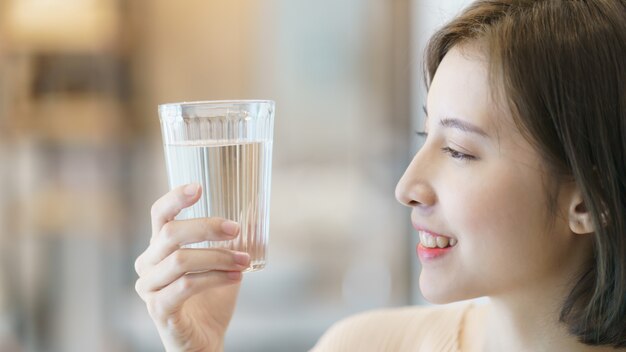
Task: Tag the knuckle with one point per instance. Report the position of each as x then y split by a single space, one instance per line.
179 259
155 209
170 243
138 266
141 291
138 287
167 231
185 283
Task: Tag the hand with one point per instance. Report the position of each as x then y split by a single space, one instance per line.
190 293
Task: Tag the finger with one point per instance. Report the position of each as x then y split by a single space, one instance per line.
167 207
170 299
186 261
175 234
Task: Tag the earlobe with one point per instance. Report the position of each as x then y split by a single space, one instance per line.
580 219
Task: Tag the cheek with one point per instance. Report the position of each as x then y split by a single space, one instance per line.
502 201
501 221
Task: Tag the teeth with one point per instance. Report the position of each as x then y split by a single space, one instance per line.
431 241
442 242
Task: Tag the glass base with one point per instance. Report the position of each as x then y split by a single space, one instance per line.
255 266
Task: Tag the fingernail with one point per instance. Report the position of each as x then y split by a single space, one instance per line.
191 189
242 258
230 227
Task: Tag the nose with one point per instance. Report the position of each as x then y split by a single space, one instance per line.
413 189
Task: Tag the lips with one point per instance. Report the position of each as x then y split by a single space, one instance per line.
432 240
433 245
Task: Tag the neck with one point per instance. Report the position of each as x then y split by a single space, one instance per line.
529 321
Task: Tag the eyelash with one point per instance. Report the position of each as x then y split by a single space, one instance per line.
455 154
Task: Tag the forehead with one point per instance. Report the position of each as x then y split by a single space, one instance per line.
461 89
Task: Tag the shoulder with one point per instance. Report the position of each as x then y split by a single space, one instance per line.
397 329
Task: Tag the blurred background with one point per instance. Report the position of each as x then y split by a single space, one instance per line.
81 159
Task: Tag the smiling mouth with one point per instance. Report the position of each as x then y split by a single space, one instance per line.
430 240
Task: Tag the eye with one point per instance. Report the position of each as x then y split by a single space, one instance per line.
421 134
455 154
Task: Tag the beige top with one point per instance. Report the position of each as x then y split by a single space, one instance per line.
437 328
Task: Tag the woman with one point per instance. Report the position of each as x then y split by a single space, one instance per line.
518 193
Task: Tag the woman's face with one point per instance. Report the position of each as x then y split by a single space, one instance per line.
481 186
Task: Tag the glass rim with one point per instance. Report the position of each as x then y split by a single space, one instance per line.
218 102
172 112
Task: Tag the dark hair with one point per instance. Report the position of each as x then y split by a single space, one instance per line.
561 68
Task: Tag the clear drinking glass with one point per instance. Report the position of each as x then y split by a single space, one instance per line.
225 146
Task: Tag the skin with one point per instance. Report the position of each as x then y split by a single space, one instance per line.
191 311
490 193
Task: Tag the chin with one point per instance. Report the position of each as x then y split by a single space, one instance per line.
438 292
436 298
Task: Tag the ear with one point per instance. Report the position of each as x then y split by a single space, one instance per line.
580 220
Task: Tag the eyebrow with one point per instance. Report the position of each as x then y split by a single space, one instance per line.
459 124
463 126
